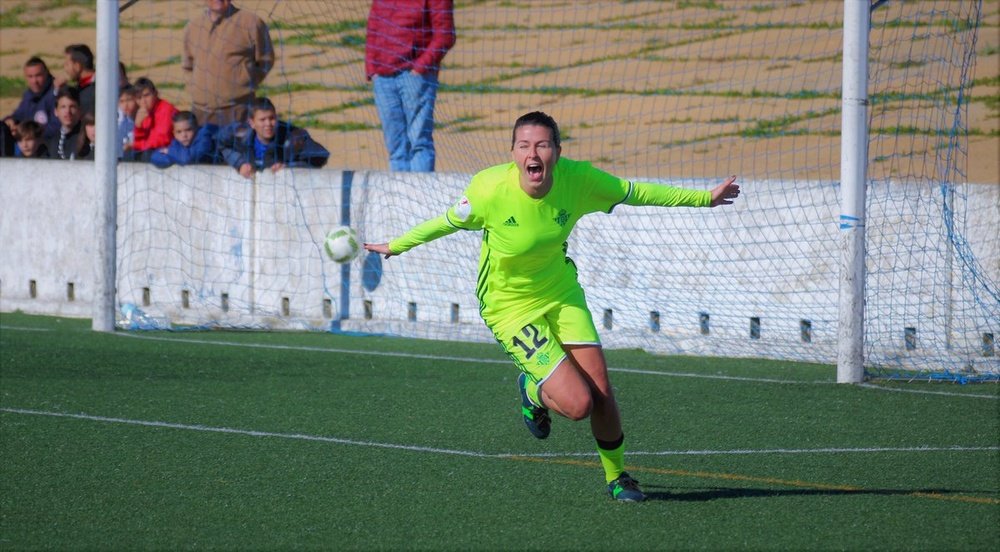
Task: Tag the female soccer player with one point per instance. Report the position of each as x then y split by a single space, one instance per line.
528 291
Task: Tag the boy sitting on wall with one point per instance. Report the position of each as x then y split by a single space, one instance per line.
128 107
153 120
191 144
264 142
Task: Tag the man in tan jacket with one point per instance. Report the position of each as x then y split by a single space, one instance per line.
227 53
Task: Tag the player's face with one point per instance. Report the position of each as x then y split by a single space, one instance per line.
184 133
35 76
264 123
28 145
535 154
68 112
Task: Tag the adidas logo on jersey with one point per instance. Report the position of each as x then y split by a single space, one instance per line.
510 222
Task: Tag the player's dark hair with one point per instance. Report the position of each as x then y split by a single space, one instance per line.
36 61
262 104
80 53
70 92
536 118
186 117
142 84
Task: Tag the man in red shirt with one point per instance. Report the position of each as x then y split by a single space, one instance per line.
154 126
406 41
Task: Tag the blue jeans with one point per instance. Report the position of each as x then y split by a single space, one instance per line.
405 104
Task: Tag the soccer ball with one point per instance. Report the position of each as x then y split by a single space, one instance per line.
341 244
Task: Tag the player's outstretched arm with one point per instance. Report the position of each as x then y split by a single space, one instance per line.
725 193
380 248
426 231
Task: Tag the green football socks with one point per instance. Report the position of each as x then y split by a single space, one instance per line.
531 388
612 455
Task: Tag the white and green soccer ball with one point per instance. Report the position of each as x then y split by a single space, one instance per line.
341 244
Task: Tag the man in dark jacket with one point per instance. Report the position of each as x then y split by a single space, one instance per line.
38 102
66 144
264 142
79 67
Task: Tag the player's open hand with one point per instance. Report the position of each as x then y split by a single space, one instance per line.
725 193
380 248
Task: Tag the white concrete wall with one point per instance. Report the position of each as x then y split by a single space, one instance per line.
208 232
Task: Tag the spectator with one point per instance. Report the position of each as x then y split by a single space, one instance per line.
122 77
265 142
85 148
406 41
227 54
38 102
153 120
31 140
7 142
191 144
79 67
66 144
128 106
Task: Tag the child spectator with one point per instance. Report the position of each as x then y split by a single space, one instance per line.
30 143
265 142
153 120
191 145
85 149
66 144
128 105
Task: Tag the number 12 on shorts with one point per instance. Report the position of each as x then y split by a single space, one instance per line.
531 333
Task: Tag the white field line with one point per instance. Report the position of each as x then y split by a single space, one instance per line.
368 352
505 362
737 452
476 454
946 393
247 432
25 329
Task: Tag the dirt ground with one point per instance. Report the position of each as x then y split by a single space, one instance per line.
666 89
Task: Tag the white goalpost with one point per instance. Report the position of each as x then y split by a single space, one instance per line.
853 180
106 169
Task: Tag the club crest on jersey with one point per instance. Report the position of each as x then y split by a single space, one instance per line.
562 218
463 209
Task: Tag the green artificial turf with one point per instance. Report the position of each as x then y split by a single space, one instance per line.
229 440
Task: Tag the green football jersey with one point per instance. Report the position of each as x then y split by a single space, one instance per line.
523 266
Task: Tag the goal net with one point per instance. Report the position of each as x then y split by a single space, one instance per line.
683 92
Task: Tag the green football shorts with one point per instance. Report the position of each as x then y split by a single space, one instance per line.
537 347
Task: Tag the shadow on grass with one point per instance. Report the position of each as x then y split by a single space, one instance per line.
717 493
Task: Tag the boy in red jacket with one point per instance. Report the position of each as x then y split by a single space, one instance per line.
154 121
